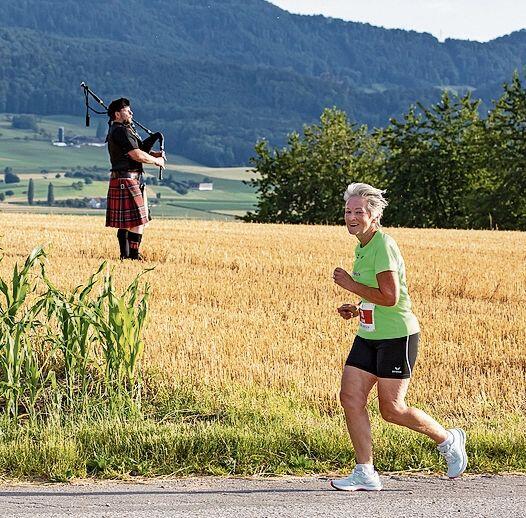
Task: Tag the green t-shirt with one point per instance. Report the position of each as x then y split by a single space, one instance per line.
377 322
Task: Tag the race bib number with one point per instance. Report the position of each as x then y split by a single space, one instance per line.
367 316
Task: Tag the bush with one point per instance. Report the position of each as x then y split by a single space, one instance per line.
11 178
9 193
92 175
24 122
77 203
2 196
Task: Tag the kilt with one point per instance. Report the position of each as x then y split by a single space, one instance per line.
126 204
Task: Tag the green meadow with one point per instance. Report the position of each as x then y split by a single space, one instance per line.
30 154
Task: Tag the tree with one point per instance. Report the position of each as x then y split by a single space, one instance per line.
10 177
30 192
50 194
305 181
506 124
433 159
24 122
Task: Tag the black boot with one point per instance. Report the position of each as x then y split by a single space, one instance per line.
134 241
122 236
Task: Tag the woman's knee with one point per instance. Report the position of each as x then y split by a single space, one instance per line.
392 411
352 401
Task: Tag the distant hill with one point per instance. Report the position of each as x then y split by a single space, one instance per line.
218 75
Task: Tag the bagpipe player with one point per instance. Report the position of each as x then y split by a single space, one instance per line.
127 208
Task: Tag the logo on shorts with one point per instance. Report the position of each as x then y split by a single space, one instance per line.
397 370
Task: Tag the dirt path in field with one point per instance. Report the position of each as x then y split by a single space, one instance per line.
402 496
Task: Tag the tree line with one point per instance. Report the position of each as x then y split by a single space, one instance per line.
226 80
442 165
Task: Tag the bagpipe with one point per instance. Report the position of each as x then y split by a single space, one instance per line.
147 143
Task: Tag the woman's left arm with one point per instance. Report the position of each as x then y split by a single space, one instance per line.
387 293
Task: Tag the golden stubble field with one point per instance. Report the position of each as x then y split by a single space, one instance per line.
255 305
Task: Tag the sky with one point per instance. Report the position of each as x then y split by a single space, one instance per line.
480 20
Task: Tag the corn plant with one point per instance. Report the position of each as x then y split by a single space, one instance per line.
120 323
19 369
52 345
75 317
16 294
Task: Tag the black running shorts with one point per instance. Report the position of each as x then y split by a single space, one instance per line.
389 358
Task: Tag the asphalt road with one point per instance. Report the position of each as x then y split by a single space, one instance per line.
402 496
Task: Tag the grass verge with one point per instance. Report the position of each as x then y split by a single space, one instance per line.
191 431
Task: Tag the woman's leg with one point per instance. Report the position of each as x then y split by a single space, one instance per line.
355 388
451 443
391 397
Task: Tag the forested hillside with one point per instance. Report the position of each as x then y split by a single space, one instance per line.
218 75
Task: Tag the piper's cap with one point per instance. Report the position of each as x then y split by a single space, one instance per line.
117 105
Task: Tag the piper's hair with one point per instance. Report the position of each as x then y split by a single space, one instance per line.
116 106
376 202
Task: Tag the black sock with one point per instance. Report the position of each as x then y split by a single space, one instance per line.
122 236
134 240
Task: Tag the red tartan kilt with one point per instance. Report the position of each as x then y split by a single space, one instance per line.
126 206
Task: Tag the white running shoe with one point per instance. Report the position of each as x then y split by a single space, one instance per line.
358 481
455 453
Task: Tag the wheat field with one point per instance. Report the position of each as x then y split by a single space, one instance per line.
250 305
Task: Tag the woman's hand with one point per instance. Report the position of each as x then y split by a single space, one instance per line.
347 311
343 279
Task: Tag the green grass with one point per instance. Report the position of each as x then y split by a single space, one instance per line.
31 156
194 431
28 156
229 197
20 149
61 187
228 173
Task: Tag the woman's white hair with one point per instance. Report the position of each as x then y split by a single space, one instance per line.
376 202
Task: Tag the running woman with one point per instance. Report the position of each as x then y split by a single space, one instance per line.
385 348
